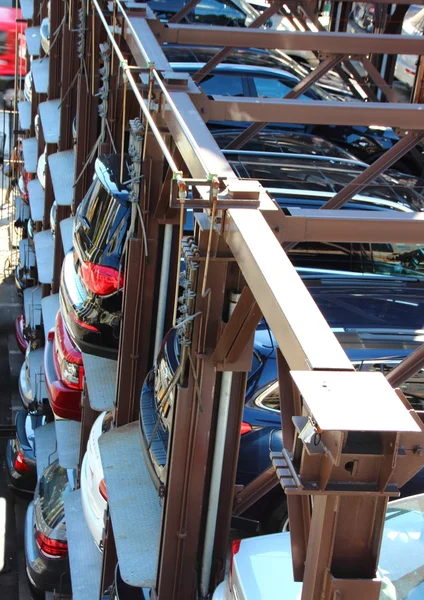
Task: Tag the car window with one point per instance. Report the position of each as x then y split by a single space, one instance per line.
218 13
223 85
54 486
271 87
270 398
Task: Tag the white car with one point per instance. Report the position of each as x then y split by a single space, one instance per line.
41 170
93 488
406 64
261 567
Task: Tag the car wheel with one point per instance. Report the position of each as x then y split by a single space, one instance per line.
278 520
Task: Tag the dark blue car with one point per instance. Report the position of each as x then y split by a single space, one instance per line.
376 319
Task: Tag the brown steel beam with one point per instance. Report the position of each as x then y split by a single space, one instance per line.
222 54
183 12
303 225
221 108
379 81
255 490
418 91
407 368
388 159
356 44
247 235
189 449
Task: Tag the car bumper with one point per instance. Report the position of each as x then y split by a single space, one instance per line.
23 482
64 401
19 334
44 574
94 523
86 311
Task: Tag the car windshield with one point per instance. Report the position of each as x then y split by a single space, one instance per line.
53 488
309 175
214 12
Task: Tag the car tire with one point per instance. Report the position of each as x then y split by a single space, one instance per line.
278 520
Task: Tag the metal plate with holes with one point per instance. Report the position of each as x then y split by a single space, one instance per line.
36 199
68 442
62 165
32 36
30 150
66 231
27 8
50 120
40 75
338 401
32 306
45 447
134 504
36 374
49 308
26 254
44 251
100 375
84 557
24 109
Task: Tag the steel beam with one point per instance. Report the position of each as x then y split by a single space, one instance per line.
388 159
407 368
356 44
307 225
222 108
379 81
247 234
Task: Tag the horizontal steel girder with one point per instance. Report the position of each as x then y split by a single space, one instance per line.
347 226
355 44
222 108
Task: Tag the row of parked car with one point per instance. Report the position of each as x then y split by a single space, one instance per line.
371 294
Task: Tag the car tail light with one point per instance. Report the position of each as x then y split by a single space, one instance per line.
20 464
81 323
235 547
51 548
103 490
245 428
101 280
71 374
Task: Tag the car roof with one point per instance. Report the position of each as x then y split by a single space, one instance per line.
320 177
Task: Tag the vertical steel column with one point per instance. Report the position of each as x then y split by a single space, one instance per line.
190 446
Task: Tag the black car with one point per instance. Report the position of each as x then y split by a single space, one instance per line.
46 546
267 77
92 278
376 319
20 453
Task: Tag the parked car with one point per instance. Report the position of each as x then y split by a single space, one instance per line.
231 13
21 467
361 19
33 394
243 76
92 278
64 372
93 487
46 546
381 316
21 340
306 171
259 565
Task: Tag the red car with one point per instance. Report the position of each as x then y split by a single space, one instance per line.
64 372
8 29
